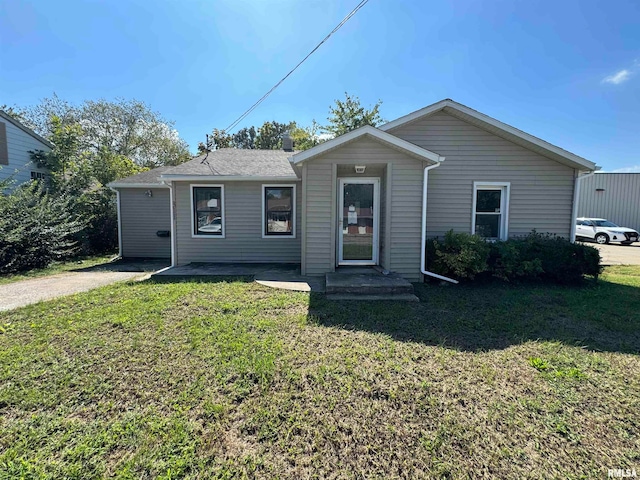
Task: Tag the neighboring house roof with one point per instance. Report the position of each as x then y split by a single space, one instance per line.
235 164
374 133
150 178
25 129
496 127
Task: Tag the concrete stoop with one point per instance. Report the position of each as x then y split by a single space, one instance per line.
367 284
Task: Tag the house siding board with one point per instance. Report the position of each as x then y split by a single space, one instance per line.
243 242
541 188
406 204
20 165
319 205
141 217
619 202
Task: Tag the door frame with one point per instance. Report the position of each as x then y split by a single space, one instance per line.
376 220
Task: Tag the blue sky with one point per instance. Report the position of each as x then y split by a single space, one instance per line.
566 71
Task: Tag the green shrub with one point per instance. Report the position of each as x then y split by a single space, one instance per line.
532 257
560 260
507 262
458 255
36 228
98 208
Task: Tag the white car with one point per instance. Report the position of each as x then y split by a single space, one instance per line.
603 231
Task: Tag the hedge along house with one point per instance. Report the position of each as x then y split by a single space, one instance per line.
369 197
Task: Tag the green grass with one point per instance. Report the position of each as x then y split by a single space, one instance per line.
234 380
57 267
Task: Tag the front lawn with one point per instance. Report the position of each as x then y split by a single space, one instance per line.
235 380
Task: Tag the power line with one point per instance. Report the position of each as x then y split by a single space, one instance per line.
264 97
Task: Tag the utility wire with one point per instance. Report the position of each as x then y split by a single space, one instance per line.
264 97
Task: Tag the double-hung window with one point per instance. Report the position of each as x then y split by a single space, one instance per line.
278 211
490 216
207 204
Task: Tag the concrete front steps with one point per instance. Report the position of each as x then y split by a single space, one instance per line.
367 283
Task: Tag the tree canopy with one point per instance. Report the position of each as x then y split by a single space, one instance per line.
348 114
122 127
95 143
344 116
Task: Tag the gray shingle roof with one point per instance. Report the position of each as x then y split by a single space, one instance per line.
239 163
150 176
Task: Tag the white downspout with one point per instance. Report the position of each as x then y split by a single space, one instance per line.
173 221
576 200
423 245
119 213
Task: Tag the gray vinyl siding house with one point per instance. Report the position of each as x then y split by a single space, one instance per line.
369 197
614 196
539 185
16 141
243 241
144 216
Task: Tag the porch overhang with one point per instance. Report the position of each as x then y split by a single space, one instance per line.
368 131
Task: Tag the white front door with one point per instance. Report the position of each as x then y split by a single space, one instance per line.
358 221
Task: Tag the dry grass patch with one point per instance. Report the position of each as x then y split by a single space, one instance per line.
234 380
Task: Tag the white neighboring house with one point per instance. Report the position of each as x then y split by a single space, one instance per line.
16 141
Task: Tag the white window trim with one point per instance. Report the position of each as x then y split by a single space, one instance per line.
505 187
293 202
193 211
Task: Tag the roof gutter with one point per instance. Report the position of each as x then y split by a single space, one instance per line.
227 178
119 215
576 199
114 185
423 244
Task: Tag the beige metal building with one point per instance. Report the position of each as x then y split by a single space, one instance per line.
614 196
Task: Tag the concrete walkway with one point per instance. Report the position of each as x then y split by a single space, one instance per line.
26 292
283 276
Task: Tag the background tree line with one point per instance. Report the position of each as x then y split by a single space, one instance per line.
98 142
344 116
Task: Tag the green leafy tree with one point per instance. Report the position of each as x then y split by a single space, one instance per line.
218 139
107 166
124 127
270 135
66 160
266 137
39 117
245 138
348 114
305 138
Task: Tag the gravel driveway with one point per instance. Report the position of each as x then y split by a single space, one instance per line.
26 292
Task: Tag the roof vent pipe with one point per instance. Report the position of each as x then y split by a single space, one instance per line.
287 142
